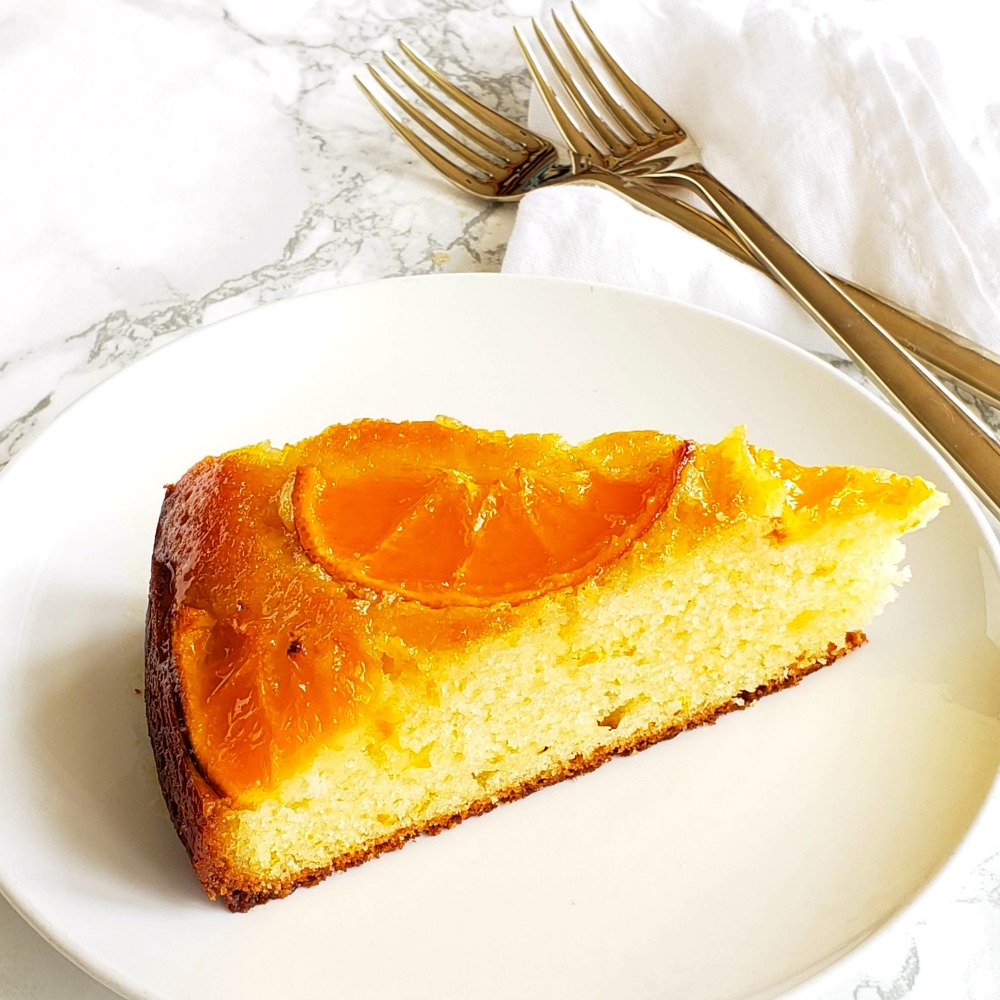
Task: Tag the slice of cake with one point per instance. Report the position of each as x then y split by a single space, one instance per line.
387 628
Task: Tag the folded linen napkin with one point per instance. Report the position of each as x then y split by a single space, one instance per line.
868 133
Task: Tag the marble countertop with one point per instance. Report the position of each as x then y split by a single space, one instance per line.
167 164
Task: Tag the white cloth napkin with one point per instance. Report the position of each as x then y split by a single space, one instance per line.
868 133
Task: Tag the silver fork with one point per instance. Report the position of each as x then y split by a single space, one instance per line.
524 161
508 167
658 149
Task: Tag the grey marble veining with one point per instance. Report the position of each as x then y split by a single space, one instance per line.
168 164
335 204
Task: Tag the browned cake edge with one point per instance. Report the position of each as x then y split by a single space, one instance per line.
194 805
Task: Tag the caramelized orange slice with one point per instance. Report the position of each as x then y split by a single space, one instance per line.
255 709
515 521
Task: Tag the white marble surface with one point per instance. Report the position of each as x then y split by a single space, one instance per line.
166 163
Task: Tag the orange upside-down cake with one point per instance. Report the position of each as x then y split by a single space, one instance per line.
390 627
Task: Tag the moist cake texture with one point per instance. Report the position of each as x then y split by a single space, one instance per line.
387 628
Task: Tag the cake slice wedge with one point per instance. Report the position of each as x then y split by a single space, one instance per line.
389 627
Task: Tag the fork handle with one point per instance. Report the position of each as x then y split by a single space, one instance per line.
947 353
947 426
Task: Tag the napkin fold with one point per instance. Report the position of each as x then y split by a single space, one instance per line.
868 133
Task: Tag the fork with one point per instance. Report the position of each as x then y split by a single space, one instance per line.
524 160
661 150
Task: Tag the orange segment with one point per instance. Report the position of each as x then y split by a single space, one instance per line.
498 529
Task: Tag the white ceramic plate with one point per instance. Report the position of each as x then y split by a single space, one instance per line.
734 862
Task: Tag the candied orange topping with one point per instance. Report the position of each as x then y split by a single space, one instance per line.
257 707
830 492
498 529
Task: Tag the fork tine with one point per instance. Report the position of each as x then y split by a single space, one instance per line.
573 137
459 123
446 139
607 136
657 116
502 126
623 119
454 173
